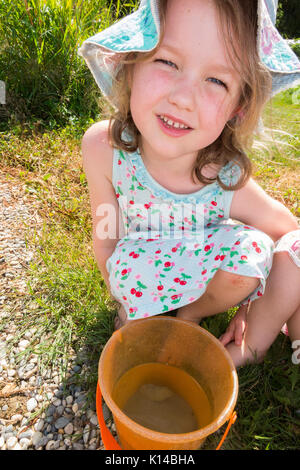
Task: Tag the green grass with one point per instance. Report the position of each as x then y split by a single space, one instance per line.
45 78
67 299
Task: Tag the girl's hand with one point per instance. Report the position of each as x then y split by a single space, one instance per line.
236 328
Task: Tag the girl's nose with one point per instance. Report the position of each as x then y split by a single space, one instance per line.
183 94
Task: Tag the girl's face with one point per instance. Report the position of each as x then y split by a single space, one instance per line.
188 80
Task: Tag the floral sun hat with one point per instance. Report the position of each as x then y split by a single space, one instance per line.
140 32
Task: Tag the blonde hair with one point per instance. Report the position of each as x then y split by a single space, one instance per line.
238 21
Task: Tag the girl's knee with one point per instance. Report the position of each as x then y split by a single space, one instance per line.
237 281
256 241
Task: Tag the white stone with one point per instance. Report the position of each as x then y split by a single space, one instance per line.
28 334
39 424
29 366
92 444
27 433
37 436
31 404
77 446
17 417
50 445
75 407
94 420
3 363
69 400
69 428
24 443
11 442
89 413
17 447
86 433
21 372
23 343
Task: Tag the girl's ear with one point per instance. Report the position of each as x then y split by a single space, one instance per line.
238 112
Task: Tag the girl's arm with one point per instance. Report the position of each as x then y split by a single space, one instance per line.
97 157
252 205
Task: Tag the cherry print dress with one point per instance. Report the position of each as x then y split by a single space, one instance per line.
173 244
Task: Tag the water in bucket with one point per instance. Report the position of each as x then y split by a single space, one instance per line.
163 398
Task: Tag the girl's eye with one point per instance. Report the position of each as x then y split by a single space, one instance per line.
167 62
217 82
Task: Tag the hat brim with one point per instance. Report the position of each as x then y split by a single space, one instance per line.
140 31
137 32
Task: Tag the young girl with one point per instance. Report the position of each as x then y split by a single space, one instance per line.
188 80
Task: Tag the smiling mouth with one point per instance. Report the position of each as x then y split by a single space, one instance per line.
172 124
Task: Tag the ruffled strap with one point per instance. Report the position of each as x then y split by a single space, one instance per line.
230 174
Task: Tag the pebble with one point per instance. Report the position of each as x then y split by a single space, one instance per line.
24 443
94 420
61 422
31 404
39 424
36 437
69 400
26 434
86 433
23 343
11 442
75 408
17 447
50 445
69 428
77 446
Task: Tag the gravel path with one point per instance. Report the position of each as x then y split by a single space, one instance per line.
35 411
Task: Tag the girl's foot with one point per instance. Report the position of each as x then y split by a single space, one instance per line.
121 318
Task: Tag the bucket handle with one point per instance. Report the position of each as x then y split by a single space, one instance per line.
231 421
110 442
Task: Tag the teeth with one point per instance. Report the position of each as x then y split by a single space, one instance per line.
172 123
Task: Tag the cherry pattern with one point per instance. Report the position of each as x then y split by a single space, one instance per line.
154 274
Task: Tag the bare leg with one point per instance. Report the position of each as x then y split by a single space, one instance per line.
293 325
279 304
225 290
121 318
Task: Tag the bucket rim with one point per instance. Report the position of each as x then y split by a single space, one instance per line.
167 437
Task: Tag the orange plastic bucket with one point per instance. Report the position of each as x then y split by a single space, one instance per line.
178 343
